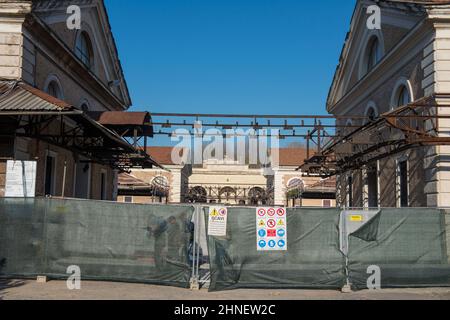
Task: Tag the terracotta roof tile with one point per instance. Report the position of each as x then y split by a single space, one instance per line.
292 156
287 156
162 155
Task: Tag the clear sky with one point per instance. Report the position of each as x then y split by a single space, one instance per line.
230 56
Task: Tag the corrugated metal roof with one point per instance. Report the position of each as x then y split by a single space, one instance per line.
327 185
128 180
18 96
120 118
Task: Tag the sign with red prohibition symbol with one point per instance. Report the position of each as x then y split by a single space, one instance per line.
271 223
271 229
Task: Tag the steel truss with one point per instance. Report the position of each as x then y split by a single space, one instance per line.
76 132
412 126
332 147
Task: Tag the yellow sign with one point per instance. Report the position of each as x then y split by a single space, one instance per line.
214 213
281 223
357 218
262 223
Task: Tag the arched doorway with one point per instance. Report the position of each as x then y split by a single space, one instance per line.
198 195
228 195
257 196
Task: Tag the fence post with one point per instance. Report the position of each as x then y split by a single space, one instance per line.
194 283
199 233
344 248
42 273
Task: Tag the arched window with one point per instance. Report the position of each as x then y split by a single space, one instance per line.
348 127
84 107
403 97
371 112
295 183
227 194
160 186
257 196
83 49
54 89
402 94
373 54
160 182
198 195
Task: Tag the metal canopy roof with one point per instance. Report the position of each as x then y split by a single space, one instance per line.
15 96
126 124
29 109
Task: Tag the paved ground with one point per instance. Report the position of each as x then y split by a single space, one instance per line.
31 290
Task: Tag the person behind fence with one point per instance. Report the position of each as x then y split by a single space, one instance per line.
186 237
174 239
158 229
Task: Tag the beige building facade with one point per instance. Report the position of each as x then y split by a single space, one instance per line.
70 72
227 182
381 70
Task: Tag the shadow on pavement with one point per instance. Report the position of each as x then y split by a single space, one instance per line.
7 283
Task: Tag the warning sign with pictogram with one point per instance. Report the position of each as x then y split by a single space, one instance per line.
271 223
217 223
271 233
271 226
281 212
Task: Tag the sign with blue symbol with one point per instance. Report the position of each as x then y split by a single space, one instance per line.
262 244
271 229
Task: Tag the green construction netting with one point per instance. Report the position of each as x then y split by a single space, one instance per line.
108 241
408 246
313 258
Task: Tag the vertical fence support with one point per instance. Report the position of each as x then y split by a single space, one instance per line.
42 278
199 232
343 236
194 283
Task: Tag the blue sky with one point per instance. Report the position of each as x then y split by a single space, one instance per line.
230 56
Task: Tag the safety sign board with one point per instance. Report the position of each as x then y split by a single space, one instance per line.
217 223
271 229
356 218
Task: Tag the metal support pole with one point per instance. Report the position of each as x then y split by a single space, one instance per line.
64 180
194 279
199 210
193 246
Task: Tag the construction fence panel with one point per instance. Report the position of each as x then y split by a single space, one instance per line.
401 248
106 240
312 259
22 225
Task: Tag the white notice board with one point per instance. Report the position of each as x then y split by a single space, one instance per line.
20 179
217 225
271 229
